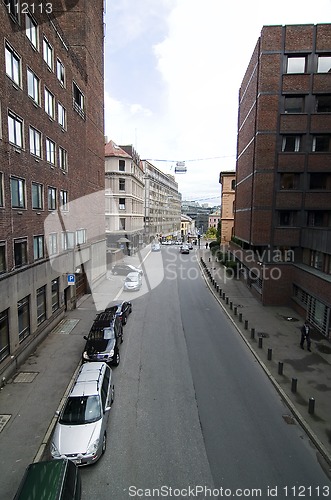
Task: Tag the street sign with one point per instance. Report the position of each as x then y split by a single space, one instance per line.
71 279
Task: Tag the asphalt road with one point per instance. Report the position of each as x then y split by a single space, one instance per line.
193 409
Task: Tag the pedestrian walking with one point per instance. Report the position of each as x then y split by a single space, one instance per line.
206 244
305 335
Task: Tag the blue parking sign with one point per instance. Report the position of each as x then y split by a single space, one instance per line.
71 279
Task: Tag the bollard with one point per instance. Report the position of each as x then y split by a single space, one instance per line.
260 342
240 317
209 259
280 368
252 333
221 291
217 288
235 311
223 296
294 385
226 300
311 406
231 304
269 354
246 324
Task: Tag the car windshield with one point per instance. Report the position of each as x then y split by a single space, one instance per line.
81 410
102 334
131 278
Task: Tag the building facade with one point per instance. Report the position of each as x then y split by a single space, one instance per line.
52 156
282 222
162 216
228 183
124 191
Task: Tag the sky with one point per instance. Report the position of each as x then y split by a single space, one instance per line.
173 69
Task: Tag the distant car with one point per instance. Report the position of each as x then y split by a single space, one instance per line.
156 247
124 308
124 269
80 433
184 249
132 282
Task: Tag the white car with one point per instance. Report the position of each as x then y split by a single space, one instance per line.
156 247
132 282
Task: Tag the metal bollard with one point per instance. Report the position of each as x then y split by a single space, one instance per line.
294 384
311 406
269 354
280 368
240 317
235 310
246 324
231 304
252 333
223 296
226 300
217 288
221 291
260 342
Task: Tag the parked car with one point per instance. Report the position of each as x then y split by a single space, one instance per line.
184 249
56 479
124 269
124 308
104 338
156 247
132 282
80 433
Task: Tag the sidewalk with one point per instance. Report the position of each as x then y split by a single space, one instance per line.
276 335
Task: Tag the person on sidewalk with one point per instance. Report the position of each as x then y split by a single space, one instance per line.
206 244
305 335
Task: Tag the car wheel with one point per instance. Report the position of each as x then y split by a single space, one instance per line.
124 320
104 443
117 359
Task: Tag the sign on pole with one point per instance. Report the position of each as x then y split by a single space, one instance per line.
71 279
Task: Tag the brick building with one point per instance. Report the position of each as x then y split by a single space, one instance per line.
283 171
51 155
228 182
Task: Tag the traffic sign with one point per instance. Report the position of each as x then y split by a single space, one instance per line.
71 279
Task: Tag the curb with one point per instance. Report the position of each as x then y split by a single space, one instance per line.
319 445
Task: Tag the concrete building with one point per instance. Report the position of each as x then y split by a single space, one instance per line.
52 244
162 204
198 213
228 182
283 171
214 218
124 197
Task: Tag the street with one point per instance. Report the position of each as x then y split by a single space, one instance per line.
194 413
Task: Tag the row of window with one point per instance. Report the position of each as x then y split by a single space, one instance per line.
318 313
297 104
23 316
314 218
303 63
19 198
68 240
293 143
318 180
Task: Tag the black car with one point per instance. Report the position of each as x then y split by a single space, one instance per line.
124 308
125 269
104 338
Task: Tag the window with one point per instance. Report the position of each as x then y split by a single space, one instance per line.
35 142
121 165
13 65
233 184
121 204
52 244
81 236
15 129
48 53
320 181
63 159
296 64
21 252
324 64
321 143
4 334
323 103
37 196
121 185
38 247
50 151
316 260
2 203
78 100
286 218
319 218
64 201
60 72
62 116
67 240
13 8
3 263
31 30
51 198
23 311
49 103
291 143
33 86
55 295
41 304
294 104
17 188
122 224
289 181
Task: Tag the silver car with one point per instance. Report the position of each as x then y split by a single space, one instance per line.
81 430
132 282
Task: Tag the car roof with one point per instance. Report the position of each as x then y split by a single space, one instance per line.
133 274
88 378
